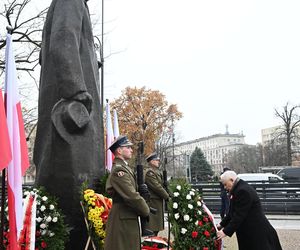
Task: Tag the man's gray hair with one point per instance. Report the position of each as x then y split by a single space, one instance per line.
227 175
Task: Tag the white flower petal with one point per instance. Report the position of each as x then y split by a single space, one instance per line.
175 205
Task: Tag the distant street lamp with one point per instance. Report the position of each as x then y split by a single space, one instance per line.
173 146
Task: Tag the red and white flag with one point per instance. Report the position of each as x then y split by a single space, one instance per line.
19 162
109 138
116 125
5 152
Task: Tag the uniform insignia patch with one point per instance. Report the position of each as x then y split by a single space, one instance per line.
120 173
151 173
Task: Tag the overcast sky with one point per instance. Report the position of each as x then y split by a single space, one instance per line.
221 61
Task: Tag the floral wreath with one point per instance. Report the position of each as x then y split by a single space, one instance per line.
50 232
96 208
192 223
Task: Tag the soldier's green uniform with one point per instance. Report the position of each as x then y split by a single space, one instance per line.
154 181
122 229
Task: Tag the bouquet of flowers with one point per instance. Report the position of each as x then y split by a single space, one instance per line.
50 230
192 227
96 209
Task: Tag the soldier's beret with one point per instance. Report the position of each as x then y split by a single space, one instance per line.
121 141
151 157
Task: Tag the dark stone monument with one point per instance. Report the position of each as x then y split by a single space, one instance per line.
69 142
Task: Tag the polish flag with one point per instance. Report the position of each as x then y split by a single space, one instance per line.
5 152
116 125
19 162
109 138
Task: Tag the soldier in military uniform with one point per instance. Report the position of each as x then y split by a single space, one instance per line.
154 181
122 229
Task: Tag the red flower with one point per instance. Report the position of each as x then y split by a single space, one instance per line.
43 244
205 248
212 229
200 223
205 219
206 233
194 234
37 233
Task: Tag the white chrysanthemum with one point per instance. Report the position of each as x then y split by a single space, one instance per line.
190 206
199 212
39 219
188 197
178 187
175 205
49 219
183 230
51 234
176 216
43 232
43 226
32 193
43 208
44 198
54 219
51 207
196 222
199 203
186 217
26 193
176 194
192 193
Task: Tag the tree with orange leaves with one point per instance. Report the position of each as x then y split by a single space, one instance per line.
145 115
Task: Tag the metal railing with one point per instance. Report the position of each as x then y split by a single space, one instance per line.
276 198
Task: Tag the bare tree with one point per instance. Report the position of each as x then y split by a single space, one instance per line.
245 159
289 131
26 31
274 153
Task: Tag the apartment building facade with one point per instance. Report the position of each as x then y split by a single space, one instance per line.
214 147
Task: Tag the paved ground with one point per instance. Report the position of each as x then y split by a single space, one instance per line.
287 227
289 239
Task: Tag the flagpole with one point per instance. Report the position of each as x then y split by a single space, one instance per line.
2 207
9 31
102 57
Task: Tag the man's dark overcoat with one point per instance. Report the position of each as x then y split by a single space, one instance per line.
154 181
246 218
122 229
68 68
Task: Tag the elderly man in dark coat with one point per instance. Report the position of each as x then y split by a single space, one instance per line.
246 217
69 141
